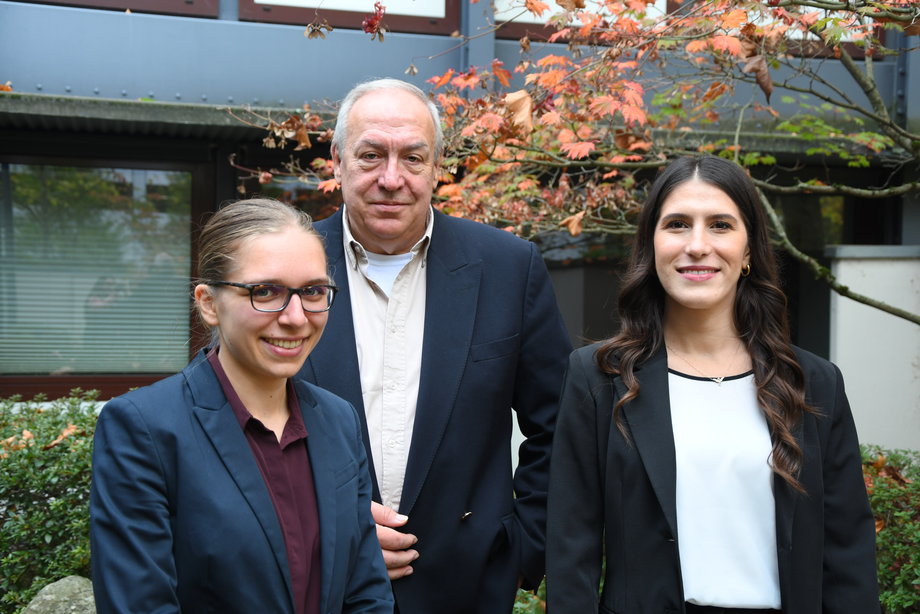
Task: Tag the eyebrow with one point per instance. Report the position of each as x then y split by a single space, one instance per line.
681 216
274 282
378 145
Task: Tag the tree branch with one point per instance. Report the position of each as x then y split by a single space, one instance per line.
823 273
834 190
875 99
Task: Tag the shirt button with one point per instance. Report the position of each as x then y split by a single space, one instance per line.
394 386
392 443
392 329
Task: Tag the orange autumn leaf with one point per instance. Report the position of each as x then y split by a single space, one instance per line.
577 151
536 7
633 114
604 105
734 19
553 60
697 46
490 122
329 185
442 80
468 79
551 78
566 136
879 525
6 88
551 118
503 76
729 44
715 91
632 94
558 34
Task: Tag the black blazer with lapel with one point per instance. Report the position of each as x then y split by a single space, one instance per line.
600 485
493 340
181 519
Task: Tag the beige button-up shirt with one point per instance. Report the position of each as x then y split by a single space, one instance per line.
389 334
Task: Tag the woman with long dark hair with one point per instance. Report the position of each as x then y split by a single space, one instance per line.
715 465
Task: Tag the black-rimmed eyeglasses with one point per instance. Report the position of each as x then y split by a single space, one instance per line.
270 298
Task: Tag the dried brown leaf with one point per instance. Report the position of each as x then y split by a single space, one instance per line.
571 5
574 223
757 66
521 106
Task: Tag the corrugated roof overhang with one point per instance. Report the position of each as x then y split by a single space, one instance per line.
125 117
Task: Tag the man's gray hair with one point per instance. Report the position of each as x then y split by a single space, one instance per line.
341 124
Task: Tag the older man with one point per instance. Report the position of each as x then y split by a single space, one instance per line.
441 328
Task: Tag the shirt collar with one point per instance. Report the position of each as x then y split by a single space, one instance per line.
357 255
294 429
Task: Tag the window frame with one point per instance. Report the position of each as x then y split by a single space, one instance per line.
113 384
249 10
186 8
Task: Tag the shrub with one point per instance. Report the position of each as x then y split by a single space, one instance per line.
45 470
893 482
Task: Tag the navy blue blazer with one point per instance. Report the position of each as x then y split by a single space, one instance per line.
605 491
181 519
493 340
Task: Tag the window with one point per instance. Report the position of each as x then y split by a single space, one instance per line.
95 266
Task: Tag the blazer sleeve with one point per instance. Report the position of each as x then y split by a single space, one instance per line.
130 535
368 587
850 575
575 523
544 347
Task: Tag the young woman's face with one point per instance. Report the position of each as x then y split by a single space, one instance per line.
701 247
262 346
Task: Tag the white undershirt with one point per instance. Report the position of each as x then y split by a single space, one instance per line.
726 515
382 269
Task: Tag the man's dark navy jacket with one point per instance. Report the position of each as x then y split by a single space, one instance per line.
493 340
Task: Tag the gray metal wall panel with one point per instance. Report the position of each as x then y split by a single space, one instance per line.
87 49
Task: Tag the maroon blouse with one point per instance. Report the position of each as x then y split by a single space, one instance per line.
288 476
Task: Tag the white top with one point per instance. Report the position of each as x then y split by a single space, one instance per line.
388 312
726 515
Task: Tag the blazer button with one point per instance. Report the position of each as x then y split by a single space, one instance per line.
466 515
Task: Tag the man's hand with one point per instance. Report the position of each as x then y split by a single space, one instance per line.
394 544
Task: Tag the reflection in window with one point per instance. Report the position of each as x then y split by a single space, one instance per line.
94 270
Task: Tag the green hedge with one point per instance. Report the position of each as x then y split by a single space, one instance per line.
45 469
893 481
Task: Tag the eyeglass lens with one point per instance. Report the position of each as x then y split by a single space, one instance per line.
275 298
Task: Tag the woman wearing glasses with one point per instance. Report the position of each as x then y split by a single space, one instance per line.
230 487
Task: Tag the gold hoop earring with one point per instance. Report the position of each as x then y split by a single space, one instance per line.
746 270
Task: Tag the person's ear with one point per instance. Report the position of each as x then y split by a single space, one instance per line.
336 164
436 175
205 299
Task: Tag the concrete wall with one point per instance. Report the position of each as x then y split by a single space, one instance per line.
879 354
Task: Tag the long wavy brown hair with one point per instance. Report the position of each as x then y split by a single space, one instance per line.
759 310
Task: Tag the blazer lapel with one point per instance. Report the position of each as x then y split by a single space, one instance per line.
223 430
324 481
648 417
335 363
453 288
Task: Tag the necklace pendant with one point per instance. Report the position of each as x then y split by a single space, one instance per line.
718 380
